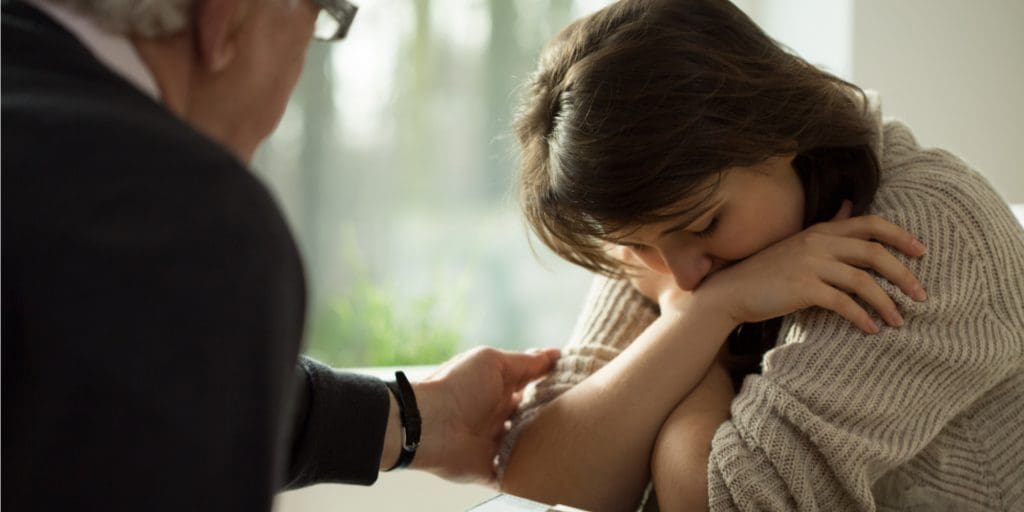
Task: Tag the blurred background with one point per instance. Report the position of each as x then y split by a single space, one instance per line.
395 166
394 163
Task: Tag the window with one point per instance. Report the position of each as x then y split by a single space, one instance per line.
395 166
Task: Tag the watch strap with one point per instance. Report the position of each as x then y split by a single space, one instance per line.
409 413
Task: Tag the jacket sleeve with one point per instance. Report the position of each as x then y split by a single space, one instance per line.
835 409
339 424
613 315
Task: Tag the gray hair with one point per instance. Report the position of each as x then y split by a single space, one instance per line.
146 18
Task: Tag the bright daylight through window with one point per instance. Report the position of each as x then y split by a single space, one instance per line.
394 164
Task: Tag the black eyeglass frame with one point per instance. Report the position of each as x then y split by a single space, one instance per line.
343 12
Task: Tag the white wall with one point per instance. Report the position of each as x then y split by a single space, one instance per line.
820 31
953 70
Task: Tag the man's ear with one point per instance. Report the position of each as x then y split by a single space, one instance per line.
216 28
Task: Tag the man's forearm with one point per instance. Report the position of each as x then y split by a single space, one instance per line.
591 447
680 458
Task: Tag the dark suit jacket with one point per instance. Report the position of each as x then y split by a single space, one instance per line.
153 305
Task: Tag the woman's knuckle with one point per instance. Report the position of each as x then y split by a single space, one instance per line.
835 300
804 282
863 279
904 274
908 279
877 251
811 238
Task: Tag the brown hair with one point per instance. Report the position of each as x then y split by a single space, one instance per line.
647 101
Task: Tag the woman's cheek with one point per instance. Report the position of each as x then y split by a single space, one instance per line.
738 244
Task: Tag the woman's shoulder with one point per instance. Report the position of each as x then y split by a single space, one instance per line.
920 184
934 174
957 213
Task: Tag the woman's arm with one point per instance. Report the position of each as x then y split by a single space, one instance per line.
680 460
591 446
594 442
613 315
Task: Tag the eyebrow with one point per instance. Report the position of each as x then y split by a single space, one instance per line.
691 217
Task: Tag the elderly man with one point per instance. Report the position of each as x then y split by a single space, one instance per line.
153 297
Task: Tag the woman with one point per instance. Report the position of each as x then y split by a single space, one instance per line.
675 149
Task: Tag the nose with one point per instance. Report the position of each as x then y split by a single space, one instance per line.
688 268
689 271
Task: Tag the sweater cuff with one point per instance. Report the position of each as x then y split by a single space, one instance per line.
343 435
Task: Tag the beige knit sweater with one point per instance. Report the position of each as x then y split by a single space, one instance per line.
927 417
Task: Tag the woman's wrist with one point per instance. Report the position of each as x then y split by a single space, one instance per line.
704 305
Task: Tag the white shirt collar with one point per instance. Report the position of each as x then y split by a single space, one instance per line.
113 50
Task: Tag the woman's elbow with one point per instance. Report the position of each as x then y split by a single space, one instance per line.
521 477
679 462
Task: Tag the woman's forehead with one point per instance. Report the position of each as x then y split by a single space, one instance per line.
678 216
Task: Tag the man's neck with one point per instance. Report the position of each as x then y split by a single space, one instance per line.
172 62
165 69
167 59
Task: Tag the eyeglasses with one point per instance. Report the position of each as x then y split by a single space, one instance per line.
334 19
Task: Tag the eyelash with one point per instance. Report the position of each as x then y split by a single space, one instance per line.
708 231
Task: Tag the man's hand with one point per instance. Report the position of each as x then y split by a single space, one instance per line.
465 405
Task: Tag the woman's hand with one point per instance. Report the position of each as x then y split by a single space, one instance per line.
821 266
657 287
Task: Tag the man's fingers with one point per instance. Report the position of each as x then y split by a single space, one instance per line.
522 367
508 408
516 398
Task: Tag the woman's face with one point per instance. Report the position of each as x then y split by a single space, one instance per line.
752 208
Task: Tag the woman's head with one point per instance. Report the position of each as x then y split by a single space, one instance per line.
649 112
747 209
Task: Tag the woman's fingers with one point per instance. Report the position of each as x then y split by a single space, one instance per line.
835 300
874 256
857 281
844 211
873 227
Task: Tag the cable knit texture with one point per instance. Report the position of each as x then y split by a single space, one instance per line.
929 416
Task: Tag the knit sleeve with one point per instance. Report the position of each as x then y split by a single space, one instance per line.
834 408
613 315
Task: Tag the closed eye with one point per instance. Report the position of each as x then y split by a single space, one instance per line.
708 231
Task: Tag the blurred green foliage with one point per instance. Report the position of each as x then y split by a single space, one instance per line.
403 132
377 325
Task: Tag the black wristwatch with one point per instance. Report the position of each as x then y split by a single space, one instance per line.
409 412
